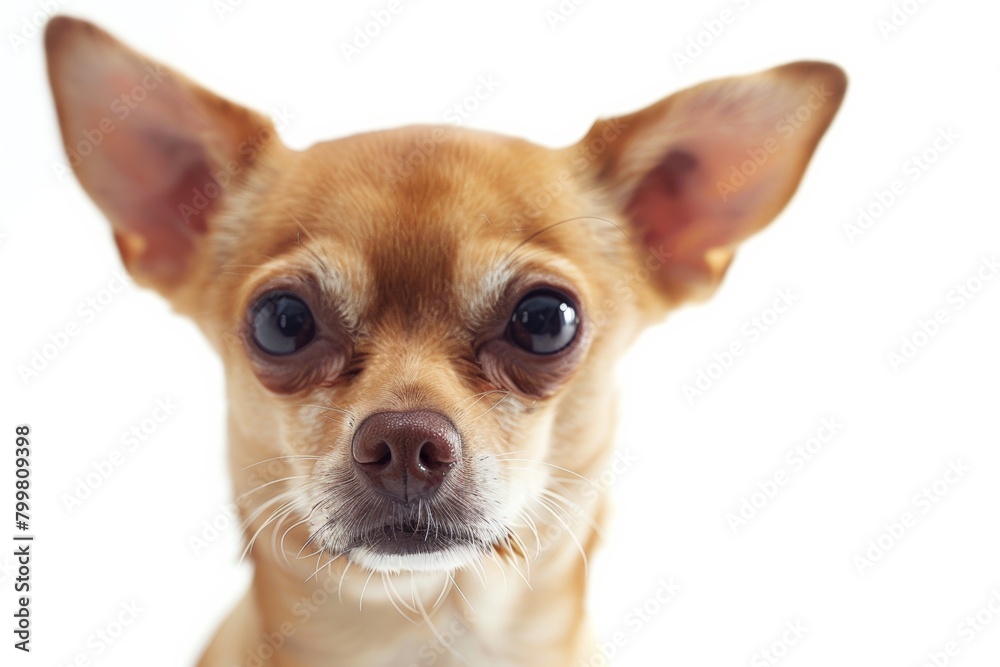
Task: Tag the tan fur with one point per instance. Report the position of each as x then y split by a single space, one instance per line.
416 266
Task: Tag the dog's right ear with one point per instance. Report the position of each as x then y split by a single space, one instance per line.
144 143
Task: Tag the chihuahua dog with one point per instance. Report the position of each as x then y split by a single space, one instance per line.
419 328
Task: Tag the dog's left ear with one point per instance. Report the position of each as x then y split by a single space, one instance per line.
700 171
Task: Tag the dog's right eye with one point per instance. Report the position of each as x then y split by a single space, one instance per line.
282 323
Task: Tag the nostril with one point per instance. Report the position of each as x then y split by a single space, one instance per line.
376 453
435 454
425 457
383 452
429 455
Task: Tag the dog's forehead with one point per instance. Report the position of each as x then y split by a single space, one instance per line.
435 218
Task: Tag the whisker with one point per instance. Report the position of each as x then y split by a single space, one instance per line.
576 219
364 588
280 547
480 396
320 568
462 594
480 571
550 510
553 465
281 542
340 586
432 627
392 593
503 455
336 421
246 494
303 228
577 510
493 557
323 407
252 516
444 591
279 458
319 561
313 536
534 529
522 548
494 405
264 525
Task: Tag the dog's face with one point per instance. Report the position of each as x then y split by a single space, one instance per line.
402 328
421 323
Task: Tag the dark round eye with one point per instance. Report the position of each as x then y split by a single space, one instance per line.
545 322
281 323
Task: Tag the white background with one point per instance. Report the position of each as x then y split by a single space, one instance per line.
795 561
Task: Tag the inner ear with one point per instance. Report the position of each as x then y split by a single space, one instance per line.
659 194
151 239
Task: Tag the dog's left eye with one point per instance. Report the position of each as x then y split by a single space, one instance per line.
544 322
282 323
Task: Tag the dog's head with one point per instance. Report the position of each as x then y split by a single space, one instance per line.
420 323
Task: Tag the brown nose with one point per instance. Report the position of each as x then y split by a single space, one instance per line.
406 455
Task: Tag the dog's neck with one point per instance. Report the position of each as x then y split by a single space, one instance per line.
325 611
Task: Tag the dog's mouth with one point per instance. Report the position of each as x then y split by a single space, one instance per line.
413 546
422 546
407 537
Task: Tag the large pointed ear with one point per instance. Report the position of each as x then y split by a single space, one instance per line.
702 170
154 151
